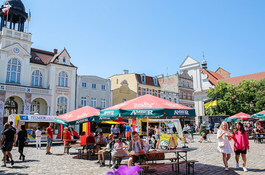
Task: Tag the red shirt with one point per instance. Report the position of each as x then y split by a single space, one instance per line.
90 139
49 131
67 136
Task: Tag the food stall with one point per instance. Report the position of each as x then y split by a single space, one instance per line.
33 122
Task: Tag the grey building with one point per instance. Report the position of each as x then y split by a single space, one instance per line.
93 91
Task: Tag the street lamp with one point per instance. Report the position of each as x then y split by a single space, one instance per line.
251 104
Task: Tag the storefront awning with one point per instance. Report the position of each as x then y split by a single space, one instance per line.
115 122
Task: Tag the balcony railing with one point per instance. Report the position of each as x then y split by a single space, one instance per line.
22 89
16 34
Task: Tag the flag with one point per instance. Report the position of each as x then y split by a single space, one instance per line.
6 9
211 103
29 18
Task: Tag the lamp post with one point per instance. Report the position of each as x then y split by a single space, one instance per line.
251 104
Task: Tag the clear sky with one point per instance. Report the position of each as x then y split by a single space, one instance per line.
103 37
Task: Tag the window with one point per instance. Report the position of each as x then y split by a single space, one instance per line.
64 60
165 98
35 107
83 101
143 78
155 81
103 103
187 95
93 102
182 95
156 93
124 100
63 79
103 87
37 58
83 84
150 91
62 105
175 100
183 83
143 91
188 84
117 81
36 78
13 71
94 86
169 99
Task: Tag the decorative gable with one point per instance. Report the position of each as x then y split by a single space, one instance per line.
189 61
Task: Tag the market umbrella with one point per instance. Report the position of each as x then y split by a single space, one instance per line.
240 116
147 106
260 115
78 116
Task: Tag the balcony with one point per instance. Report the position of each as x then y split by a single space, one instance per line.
24 89
16 34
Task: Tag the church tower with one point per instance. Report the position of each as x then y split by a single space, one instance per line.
16 16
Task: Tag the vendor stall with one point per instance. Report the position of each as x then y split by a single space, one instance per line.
33 122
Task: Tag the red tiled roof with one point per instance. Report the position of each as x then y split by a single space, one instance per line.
149 80
235 80
212 76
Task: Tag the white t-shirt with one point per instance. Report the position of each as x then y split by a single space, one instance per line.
38 133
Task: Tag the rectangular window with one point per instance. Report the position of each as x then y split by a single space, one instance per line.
103 87
103 103
150 91
83 84
94 86
156 93
93 102
83 101
124 100
143 91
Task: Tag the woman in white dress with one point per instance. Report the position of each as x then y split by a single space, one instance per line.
223 136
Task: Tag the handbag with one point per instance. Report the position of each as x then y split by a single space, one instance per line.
221 144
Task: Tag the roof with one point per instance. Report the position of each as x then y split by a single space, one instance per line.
235 80
149 80
45 57
213 77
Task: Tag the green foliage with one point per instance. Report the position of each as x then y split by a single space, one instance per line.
234 99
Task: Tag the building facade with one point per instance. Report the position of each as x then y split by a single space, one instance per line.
169 87
186 91
93 91
32 80
127 86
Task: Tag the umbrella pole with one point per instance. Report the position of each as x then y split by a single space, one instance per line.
147 124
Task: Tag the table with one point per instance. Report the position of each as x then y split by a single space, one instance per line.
178 153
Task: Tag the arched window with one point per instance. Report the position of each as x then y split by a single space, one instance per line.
35 107
36 78
13 71
62 105
63 79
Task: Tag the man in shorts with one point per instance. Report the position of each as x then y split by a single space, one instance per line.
8 140
49 133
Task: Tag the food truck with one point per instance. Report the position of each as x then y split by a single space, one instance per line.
33 122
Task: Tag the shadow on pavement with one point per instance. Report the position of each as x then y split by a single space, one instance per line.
26 161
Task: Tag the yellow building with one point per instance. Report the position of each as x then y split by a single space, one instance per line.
127 86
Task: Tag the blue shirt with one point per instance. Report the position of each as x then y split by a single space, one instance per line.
136 147
128 128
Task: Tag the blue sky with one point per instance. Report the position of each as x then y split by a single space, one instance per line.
103 37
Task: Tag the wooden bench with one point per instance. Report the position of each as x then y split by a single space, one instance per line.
258 139
71 146
82 151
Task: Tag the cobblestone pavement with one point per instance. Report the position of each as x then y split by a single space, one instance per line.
210 162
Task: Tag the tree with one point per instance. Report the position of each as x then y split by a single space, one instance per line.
233 99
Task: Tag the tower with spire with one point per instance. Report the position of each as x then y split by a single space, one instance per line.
204 63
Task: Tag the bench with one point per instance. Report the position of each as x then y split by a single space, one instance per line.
119 159
71 146
82 150
258 139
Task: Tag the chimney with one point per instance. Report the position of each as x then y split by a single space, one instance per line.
125 71
55 51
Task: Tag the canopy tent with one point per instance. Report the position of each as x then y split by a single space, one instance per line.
147 106
260 115
240 116
78 116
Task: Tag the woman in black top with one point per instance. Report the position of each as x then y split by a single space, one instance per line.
22 135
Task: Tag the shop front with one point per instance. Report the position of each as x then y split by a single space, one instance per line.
33 122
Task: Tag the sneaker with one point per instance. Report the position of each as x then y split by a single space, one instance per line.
48 153
237 165
3 165
245 169
12 162
97 162
102 165
226 169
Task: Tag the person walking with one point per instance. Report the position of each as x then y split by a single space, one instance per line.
111 129
9 140
116 131
22 137
38 138
49 133
128 132
241 144
157 135
223 143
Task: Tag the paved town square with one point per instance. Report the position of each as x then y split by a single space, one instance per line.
210 162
